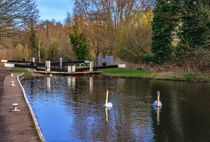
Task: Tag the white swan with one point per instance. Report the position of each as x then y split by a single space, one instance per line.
157 103
107 104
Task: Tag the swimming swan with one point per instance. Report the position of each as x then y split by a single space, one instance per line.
157 103
107 104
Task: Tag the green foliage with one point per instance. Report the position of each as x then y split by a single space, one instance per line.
194 32
51 54
188 76
162 32
33 44
147 59
42 53
80 46
165 24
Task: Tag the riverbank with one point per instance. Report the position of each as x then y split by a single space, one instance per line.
28 73
21 70
134 73
14 126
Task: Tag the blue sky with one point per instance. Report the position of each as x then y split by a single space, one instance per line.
54 9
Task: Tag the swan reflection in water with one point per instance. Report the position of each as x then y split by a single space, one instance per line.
157 105
107 115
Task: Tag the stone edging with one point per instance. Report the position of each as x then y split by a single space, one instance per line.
39 131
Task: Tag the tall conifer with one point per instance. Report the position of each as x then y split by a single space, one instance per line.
162 32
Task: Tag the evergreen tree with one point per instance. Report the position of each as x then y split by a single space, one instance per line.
162 27
33 44
194 31
80 46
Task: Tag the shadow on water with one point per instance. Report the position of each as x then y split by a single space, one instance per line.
71 109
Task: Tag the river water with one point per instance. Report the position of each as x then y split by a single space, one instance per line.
72 109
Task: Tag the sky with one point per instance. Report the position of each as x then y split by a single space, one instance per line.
54 9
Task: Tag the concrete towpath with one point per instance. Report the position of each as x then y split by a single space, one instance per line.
14 126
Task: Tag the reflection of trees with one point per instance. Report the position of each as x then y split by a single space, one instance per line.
127 121
196 113
170 128
184 112
184 115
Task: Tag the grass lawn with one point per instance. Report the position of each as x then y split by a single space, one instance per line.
21 70
145 73
126 72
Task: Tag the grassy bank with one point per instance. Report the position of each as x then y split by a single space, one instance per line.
21 70
159 75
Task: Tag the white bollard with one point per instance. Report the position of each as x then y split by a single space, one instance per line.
91 66
69 69
12 74
15 106
13 83
47 64
33 59
61 62
73 69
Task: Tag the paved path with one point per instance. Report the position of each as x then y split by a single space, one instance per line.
14 126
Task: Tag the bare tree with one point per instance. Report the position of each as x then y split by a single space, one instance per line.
16 15
115 25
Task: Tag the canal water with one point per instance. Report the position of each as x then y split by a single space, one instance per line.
71 109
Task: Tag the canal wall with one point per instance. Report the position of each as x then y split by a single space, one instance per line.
39 131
